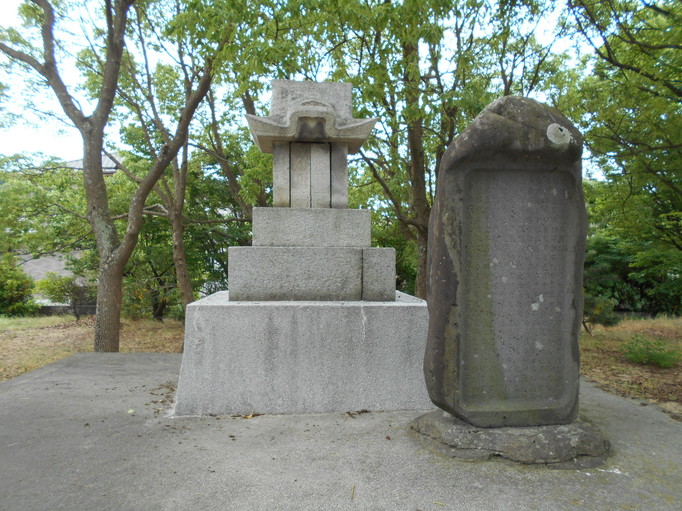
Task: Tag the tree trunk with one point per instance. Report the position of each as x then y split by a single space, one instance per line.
110 274
420 207
108 315
180 261
159 304
422 254
74 308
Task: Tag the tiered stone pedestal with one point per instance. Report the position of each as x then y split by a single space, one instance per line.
312 324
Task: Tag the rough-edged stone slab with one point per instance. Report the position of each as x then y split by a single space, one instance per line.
579 443
378 274
295 273
302 357
312 227
506 247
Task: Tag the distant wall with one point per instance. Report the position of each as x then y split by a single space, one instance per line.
59 310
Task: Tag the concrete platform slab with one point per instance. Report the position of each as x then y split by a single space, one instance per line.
91 432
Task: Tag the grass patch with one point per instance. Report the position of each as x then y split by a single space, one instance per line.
604 360
655 353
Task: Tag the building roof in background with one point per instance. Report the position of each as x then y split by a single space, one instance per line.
38 268
108 165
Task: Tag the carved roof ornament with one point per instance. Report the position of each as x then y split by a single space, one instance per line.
310 112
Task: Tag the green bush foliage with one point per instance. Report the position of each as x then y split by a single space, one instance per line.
16 289
65 289
599 311
646 352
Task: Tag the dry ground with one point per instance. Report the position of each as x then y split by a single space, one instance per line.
29 343
603 362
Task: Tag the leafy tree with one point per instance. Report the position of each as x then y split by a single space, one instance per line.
16 289
426 69
632 106
149 279
629 107
43 210
42 57
151 94
148 95
632 274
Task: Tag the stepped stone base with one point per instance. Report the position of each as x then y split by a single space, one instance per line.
302 357
311 273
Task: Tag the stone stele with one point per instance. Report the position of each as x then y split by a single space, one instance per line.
506 248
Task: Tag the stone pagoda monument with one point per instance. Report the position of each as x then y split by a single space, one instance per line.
312 322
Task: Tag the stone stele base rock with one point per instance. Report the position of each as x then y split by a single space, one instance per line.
576 445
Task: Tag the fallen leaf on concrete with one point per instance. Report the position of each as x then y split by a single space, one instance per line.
359 412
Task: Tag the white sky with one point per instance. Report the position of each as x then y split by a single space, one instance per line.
52 138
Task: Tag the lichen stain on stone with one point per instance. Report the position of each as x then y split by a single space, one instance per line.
559 135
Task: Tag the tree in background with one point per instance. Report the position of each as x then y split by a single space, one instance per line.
426 69
43 210
630 109
618 276
16 289
41 58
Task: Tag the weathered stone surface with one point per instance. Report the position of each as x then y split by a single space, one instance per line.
302 357
378 274
300 178
312 227
580 442
295 273
506 247
320 175
310 131
312 322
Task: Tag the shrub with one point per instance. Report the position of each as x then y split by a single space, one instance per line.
63 289
16 289
657 353
598 310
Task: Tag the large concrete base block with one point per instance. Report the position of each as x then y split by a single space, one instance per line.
302 357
